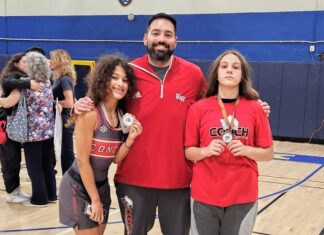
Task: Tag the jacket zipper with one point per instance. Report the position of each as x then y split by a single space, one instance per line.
152 74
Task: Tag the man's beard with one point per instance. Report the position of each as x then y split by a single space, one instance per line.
158 55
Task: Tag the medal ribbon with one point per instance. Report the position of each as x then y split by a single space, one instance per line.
222 107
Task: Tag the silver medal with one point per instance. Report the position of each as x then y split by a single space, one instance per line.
128 119
227 137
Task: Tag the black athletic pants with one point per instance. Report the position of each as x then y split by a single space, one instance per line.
138 207
10 158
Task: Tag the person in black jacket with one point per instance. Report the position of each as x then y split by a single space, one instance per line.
10 152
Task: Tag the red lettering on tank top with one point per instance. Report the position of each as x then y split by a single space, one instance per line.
105 149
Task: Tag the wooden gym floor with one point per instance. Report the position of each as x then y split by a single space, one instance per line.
291 198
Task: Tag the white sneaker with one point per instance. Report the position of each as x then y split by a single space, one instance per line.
15 197
22 194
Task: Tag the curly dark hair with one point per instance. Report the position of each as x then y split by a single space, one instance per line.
99 78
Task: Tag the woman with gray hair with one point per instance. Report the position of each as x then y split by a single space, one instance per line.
39 148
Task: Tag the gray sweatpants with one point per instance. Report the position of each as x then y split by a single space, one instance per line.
232 220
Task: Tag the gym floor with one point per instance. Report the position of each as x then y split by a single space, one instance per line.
291 198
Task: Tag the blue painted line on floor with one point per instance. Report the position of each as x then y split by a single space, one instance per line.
299 158
293 186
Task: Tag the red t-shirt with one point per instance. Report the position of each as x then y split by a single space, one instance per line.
226 180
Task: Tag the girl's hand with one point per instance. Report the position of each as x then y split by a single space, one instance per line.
215 147
237 148
97 212
134 131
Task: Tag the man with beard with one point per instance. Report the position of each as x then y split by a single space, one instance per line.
155 174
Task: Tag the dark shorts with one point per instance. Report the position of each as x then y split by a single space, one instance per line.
73 199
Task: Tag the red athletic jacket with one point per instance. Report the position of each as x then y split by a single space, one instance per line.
156 159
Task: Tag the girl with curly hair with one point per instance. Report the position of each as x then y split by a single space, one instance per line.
84 191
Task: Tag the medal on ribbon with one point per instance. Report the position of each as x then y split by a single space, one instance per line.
228 136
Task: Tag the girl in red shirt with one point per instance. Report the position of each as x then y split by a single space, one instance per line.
226 133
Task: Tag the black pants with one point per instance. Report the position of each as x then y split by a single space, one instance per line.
10 158
40 169
138 209
67 152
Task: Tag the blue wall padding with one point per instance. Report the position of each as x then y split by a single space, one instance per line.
293 100
270 89
311 122
3 61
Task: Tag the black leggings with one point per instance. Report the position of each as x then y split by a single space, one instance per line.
10 158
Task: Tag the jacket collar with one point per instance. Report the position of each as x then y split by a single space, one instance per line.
143 63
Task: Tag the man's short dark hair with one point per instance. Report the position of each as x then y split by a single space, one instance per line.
163 16
36 49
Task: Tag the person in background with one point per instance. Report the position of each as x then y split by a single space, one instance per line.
36 49
39 148
10 151
84 191
63 90
226 134
41 51
156 174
